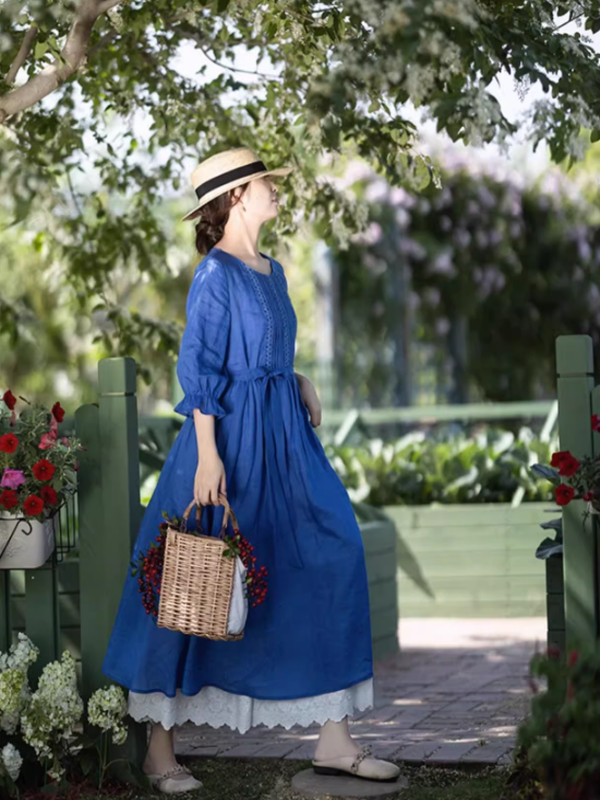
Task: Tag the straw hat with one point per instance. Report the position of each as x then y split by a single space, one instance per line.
224 171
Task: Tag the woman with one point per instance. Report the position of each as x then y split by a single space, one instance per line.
306 653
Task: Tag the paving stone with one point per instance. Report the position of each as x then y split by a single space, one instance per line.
488 754
305 751
507 759
310 784
203 752
278 749
245 750
418 752
451 752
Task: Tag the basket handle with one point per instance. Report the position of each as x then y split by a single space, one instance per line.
228 513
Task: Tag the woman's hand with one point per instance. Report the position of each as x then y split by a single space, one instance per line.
310 398
210 479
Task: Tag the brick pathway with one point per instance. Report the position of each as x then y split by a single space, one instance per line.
455 693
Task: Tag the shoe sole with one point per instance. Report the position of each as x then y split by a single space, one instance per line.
336 771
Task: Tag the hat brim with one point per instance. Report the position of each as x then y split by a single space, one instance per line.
276 173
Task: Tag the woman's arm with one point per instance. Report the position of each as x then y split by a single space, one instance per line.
204 425
202 375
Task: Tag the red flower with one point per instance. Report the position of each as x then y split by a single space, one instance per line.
43 470
553 652
33 505
9 399
573 658
48 495
558 458
8 443
9 499
564 494
596 422
58 412
568 466
588 497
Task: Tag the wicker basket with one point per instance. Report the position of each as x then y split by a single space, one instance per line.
197 580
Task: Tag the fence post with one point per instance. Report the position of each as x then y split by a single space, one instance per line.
575 369
5 611
110 514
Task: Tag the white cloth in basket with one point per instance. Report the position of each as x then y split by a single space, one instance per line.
238 611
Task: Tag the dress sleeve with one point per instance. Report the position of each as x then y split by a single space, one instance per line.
200 366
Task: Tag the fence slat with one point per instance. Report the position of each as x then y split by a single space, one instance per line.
5 611
42 622
575 369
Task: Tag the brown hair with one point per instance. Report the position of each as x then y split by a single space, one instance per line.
214 217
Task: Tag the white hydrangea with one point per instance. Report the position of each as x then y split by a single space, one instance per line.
20 656
11 758
14 694
14 684
107 709
54 710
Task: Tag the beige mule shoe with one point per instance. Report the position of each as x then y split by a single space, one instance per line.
177 780
360 766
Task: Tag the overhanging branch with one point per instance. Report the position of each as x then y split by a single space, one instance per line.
72 56
24 51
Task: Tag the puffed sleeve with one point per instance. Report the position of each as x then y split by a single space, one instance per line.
200 367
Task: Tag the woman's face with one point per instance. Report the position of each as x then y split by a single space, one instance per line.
260 199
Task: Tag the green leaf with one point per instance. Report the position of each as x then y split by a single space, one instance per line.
40 50
549 548
543 471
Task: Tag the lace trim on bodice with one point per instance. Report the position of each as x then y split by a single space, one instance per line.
267 311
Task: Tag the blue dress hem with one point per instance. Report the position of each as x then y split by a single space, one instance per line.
241 694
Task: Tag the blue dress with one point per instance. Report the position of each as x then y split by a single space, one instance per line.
312 634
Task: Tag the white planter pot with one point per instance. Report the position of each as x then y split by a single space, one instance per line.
593 510
31 541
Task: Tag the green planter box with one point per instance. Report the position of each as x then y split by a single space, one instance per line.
379 540
470 560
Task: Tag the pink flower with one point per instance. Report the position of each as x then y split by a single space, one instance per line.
12 478
53 426
47 441
65 441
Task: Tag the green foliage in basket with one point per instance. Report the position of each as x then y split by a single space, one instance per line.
419 469
561 736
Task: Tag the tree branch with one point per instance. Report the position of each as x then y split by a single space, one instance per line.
70 60
200 44
568 22
24 51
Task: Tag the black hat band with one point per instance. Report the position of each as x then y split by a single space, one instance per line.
229 177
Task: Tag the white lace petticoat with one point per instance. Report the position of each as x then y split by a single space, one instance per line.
217 707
